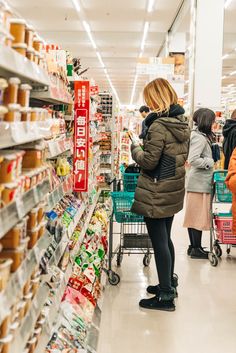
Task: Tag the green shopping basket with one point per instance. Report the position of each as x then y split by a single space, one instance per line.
130 181
223 194
122 203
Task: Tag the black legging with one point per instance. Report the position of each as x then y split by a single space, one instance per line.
195 237
159 230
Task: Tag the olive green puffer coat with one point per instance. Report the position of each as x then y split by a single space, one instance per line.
160 190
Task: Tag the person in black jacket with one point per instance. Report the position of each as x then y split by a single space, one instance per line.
229 133
144 111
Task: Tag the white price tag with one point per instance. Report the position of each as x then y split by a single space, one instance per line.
20 208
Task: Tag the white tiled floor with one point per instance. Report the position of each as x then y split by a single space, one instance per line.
205 316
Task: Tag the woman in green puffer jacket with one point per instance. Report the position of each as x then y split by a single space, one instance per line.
160 191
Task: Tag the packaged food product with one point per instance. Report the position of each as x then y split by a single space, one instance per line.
19 159
20 48
29 36
9 193
9 40
5 269
30 54
17 255
17 29
36 57
27 287
5 326
33 235
8 166
13 238
41 210
42 228
7 15
35 113
35 285
21 309
33 158
38 44
24 95
14 326
6 343
3 86
33 218
11 92
25 114
31 345
13 113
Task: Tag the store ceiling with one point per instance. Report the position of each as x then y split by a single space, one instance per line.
117 28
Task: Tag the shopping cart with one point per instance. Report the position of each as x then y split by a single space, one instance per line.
131 233
221 217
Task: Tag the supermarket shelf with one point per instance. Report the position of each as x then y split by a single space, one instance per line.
50 326
56 195
86 224
15 64
57 147
52 95
17 133
29 322
19 278
15 211
76 219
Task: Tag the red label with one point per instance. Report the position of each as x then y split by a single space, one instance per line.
94 90
98 116
81 137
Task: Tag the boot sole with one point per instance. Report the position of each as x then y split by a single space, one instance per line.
159 309
177 295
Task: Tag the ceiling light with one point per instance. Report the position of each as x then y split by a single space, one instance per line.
232 73
145 31
231 85
150 5
76 5
227 3
133 90
140 54
105 70
88 30
100 59
223 77
225 56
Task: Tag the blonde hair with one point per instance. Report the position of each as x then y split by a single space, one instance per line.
159 95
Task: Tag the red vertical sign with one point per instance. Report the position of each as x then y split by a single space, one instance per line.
81 137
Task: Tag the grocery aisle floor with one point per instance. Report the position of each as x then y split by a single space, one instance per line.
205 316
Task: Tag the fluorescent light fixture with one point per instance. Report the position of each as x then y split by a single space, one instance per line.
223 77
150 5
133 90
232 73
105 70
88 30
225 56
100 59
231 85
145 31
227 3
140 54
76 5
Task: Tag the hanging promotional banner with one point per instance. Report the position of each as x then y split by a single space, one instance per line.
81 135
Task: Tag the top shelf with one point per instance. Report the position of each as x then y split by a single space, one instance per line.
13 63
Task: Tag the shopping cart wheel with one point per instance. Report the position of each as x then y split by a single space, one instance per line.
113 278
146 260
213 259
217 250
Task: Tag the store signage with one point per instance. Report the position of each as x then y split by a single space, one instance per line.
81 136
94 90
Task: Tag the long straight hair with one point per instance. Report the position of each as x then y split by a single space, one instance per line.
160 95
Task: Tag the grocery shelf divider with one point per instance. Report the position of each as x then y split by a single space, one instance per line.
19 278
16 210
52 95
15 64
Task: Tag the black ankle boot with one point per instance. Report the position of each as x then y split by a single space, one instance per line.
189 250
155 290
199 253
163 302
